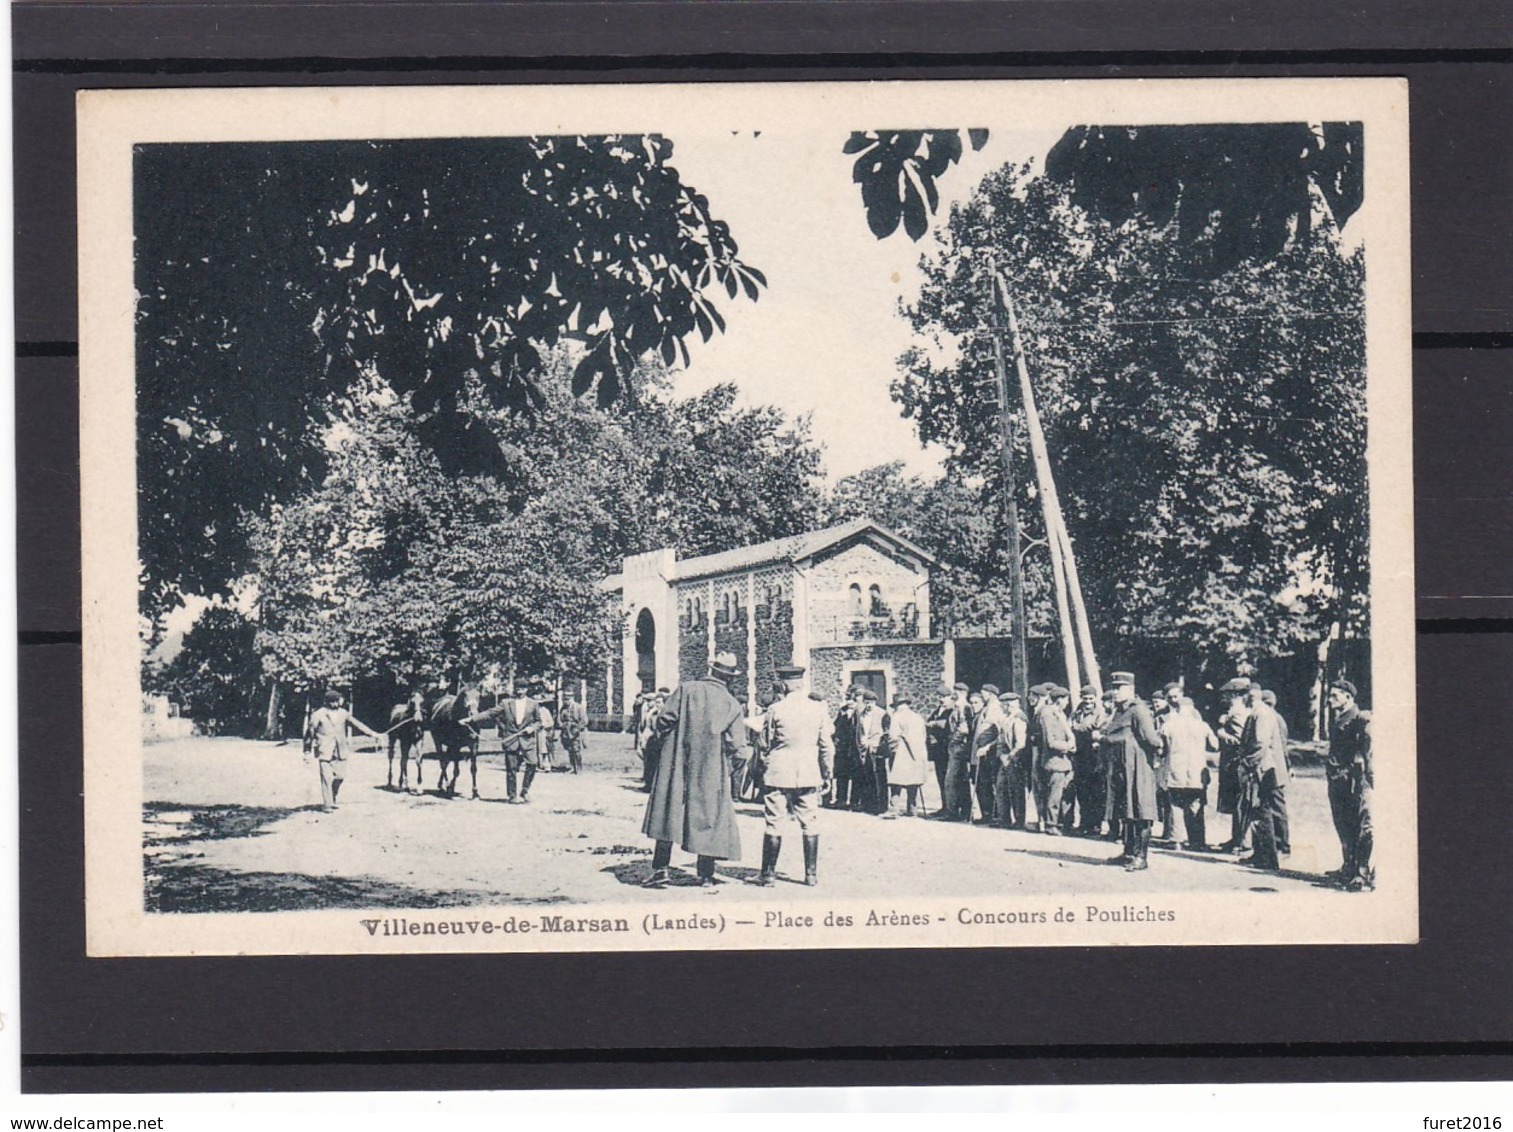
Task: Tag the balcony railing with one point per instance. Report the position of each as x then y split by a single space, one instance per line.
879 627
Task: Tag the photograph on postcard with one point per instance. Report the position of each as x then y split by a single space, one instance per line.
742 516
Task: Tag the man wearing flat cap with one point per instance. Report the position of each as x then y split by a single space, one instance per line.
1231 730
1054 768
956 803
696 739
1351 778
938 737
1133 746
799 765
1089 775
987 728
1013 751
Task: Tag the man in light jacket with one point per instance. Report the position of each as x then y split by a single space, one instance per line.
1191 754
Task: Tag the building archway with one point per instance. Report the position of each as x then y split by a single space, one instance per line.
646 650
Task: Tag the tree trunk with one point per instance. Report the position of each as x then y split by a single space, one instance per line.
273 720
1316 699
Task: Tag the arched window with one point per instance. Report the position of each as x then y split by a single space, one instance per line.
875 600
856 599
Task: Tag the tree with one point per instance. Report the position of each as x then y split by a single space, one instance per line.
272 279
1234 192
1207 432
214 677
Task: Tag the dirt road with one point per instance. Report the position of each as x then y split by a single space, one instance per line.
235 825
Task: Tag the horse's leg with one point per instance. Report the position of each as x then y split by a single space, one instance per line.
391 764
404 765
473 767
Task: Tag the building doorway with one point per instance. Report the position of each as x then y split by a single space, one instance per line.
646 650
873 680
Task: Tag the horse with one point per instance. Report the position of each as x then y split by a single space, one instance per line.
407 727
455 740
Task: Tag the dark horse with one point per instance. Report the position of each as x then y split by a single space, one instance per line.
407 728
454 739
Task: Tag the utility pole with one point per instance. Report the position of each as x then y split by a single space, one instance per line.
1019 676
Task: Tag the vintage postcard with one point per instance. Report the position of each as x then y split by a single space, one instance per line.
804 515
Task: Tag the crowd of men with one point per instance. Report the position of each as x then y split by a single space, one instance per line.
1114 767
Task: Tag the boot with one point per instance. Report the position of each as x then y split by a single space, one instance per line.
811 859
661 857
1128 853
707 880
1140 856
771 847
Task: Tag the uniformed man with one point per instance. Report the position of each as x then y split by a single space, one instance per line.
696 739
1132 745
1351 777
1160 709
326 739
797 769
1089 776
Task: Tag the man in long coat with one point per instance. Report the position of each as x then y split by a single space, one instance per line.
1191 752
987 731
844 794
696 739
909 759
1132 746
956 803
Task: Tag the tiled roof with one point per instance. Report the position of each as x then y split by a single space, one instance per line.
794 548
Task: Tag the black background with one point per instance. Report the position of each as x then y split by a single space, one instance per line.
1442 1009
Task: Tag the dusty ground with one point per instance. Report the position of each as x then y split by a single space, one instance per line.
233 825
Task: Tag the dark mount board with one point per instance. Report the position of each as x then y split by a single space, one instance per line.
1441 1009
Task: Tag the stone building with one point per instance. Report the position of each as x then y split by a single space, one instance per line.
850 602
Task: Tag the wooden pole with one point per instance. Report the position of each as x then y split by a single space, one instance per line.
1056 532
1019 677
1050 506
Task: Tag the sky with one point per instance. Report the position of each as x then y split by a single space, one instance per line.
825 336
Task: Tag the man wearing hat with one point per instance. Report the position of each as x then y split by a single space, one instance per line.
846 756
1351 778
1054 769
1189 748
326 739
1263 770
1008 790
696 739
1132 745
1089 775
797 770
938 738
871 791
908 761
1231 729
519 720
956 802
987 733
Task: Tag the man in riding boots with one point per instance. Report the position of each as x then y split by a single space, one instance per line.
1352 777
797 769
1132 745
